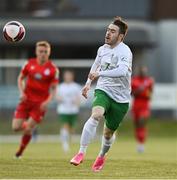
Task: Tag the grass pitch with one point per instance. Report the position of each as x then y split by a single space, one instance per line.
46 160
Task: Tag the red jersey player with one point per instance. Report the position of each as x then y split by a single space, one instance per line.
37 85
142 87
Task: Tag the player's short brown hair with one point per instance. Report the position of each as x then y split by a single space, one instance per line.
43 43
123 27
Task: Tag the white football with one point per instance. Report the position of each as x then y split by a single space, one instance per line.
14 31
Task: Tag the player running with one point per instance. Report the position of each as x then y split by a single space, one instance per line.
68 98
113 68
142 86
37 85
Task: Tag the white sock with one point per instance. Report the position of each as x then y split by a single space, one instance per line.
64 135
88 133
140 148
106 144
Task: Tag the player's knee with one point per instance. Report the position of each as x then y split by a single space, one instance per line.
97 116
108 134
28 130
15 128
140 123
98 113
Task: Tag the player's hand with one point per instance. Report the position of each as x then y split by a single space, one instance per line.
22 97
141 88
85 90
44 106
59 99
76 102
93 75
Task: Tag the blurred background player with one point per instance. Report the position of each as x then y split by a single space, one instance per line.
68 98
142 87
37 84
35 135
112 67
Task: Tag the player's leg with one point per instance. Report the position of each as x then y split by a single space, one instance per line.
140 115
140 131
35 116
65 131
88 133
107 141
100 104
18 124
90 126
68 121
20 117
26 137
65 135
113 117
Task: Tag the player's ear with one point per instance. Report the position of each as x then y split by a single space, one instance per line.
49 51
36 50
121 36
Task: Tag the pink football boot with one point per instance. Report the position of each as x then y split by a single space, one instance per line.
77 159
98 164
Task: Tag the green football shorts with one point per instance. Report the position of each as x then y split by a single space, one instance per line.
68 119
114 111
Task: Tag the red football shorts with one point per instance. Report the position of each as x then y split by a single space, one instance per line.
140 111
26 109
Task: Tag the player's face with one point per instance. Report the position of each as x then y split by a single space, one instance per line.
68 76
143 71
112 36
42 53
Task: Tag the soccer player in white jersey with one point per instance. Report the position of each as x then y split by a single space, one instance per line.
113 68
68 97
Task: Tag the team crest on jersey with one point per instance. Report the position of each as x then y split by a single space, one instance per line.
32 67
38 76
47 72
105 66
114 61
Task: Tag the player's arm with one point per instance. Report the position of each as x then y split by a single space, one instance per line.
120 71
77 99
137 91
94 68
21 86
152 85
21 81
88 83
52 94
151 88
58 97
52 90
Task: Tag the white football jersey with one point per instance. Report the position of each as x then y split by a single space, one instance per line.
69 92
118 88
